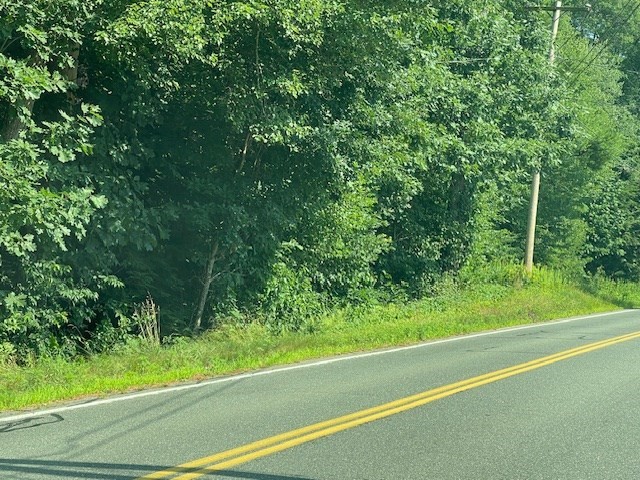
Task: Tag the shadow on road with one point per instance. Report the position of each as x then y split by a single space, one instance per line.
111 471
31 423
87 439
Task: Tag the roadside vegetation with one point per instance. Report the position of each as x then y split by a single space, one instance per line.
454 309
219 185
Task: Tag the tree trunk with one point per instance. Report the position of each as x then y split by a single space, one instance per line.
206 286
71 73
13 123
458 198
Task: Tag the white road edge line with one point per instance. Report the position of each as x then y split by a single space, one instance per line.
148 393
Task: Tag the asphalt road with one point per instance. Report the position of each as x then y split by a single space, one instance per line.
569 416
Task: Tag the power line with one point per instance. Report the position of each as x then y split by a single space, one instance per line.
586 18
615 25
594 47
603 47
600 48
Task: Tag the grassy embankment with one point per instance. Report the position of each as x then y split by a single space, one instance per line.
233 349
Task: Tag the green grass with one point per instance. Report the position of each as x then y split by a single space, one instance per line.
232 349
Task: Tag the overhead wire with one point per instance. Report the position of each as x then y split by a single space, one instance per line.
586 18
595 46
623 8
600 48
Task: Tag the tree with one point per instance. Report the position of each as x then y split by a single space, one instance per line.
43 210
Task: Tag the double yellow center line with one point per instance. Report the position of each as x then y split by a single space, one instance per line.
251 451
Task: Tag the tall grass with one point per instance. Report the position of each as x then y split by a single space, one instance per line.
495 297
622 294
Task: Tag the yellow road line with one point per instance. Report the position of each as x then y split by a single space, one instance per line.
251 451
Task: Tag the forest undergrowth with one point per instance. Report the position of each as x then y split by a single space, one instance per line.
484 299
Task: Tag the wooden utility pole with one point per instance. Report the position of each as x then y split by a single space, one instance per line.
535 183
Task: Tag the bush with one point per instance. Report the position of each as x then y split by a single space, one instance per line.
288 302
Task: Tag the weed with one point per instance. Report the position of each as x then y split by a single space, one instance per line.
146 318
454 308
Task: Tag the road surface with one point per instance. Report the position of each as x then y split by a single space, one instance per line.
559 400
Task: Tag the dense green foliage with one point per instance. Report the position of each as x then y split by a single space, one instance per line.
269 159
458 309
